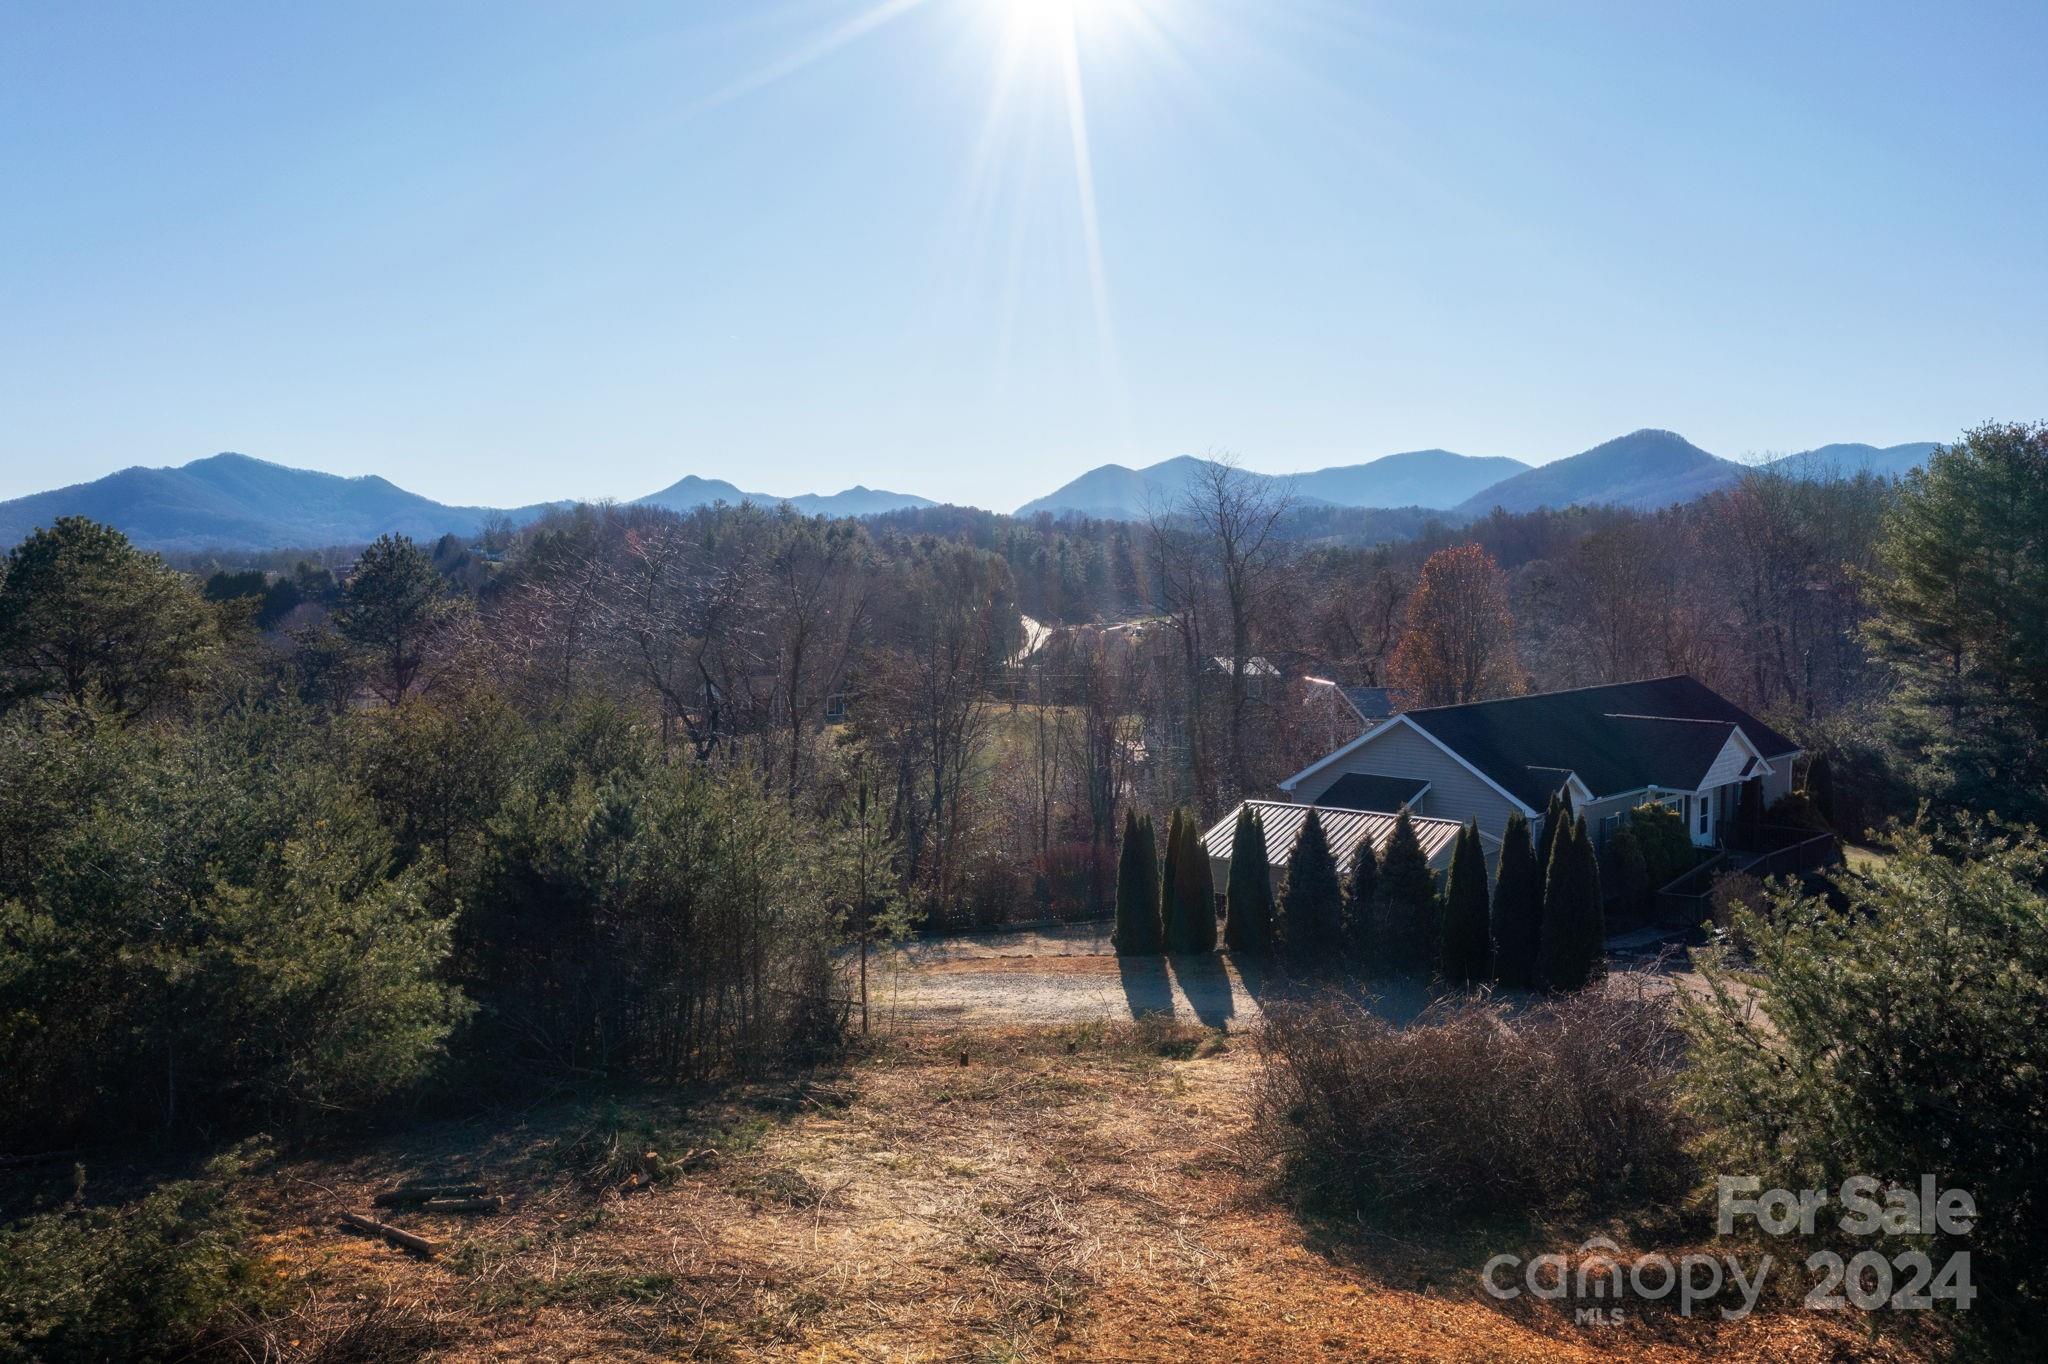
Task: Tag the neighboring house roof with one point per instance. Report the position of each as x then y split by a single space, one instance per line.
1665 731
1256 666
1372 704
1345 829
1368 791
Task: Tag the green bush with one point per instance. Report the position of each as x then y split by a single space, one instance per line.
1907 1036
202 926
145 1281
1667 849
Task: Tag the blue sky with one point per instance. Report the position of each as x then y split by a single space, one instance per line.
501 253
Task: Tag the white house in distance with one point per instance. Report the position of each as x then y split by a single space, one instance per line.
1672 740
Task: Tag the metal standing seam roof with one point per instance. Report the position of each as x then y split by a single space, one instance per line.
1345 829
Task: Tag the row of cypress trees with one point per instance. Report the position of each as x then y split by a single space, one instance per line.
1547 921
1164 904
1542 926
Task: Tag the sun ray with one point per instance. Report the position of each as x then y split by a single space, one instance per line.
824 45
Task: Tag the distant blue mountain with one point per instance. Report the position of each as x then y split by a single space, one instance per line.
235 502
1435 479
1851 459
692 492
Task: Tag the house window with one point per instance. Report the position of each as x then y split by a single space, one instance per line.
1608 824
1706 813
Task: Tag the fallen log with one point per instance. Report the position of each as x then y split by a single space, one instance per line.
405 1240
407 1194
460 1205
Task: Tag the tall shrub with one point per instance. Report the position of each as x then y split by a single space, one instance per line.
1408 919
1248 920
1517 918
1170 873
1628 874
1571 955
1137 891
1465 954
1311 914
1361 902
1192 928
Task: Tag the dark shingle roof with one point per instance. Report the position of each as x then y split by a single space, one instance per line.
1664 731
1367 791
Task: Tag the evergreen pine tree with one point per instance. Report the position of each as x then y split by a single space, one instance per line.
1361 903
1517 919
1407 923
1465 951
1311 912
1195 886
1572 953
1247 922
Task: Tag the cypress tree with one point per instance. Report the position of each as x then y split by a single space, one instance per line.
1137 890
1466 951
1406 939
1248 921
1557 819
1195 887
1361 902
1125 938
1311 913
1169 872
1628 872
1572 953
1517 919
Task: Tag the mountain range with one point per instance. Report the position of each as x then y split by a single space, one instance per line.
1436 479
236 502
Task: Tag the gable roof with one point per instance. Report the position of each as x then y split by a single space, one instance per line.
1345 829
1665 731
1624 736
1367 791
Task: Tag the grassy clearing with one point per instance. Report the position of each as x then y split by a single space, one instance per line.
1074 1192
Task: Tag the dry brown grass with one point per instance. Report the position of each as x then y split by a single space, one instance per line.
1086 1192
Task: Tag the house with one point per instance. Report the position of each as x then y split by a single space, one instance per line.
1345 829
1672 740
1367 705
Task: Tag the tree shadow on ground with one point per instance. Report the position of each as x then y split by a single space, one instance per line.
1204 981
1147 990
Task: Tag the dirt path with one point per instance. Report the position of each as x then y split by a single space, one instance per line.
1063 975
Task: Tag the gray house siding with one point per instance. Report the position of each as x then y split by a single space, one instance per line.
1454 791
